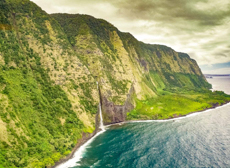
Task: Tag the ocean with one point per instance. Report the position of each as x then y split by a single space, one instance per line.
197 140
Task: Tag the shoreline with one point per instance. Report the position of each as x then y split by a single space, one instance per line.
81 142
183 116
86 137
85 140
76 155
173 118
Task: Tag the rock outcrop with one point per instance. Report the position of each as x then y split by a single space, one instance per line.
117 113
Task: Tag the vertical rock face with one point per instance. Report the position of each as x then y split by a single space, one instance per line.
49 65
117 113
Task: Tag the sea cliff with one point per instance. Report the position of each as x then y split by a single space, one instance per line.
49 67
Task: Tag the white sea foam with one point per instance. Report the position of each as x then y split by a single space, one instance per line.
78 154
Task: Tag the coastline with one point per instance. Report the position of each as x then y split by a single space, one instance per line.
175 117
85 140
86 137
180 116
81 142
200 111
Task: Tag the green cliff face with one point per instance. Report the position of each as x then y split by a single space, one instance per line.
49 66
121 63
48 98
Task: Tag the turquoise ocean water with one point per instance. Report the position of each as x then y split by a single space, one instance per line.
198 140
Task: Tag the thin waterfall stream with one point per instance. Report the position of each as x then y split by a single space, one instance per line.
101 119
100 112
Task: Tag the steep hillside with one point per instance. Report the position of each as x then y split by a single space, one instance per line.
48 98
122 64
49 66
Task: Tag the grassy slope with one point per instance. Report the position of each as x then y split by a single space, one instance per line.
169 104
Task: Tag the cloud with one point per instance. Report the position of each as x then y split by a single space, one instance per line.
221 68
197 27
217 71
202 12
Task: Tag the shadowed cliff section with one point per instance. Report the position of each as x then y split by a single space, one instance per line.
113 113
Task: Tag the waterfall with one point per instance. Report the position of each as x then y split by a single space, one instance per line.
100 112
101 119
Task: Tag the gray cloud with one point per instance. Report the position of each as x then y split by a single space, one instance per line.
174 10
198 27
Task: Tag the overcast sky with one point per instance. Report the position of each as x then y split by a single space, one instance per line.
200 28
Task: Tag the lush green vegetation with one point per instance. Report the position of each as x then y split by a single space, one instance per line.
41 126
75 24
173 104
36 136
36 107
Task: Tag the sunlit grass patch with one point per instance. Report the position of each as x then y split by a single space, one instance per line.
176 104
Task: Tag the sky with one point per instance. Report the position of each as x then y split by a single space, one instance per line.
200 28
